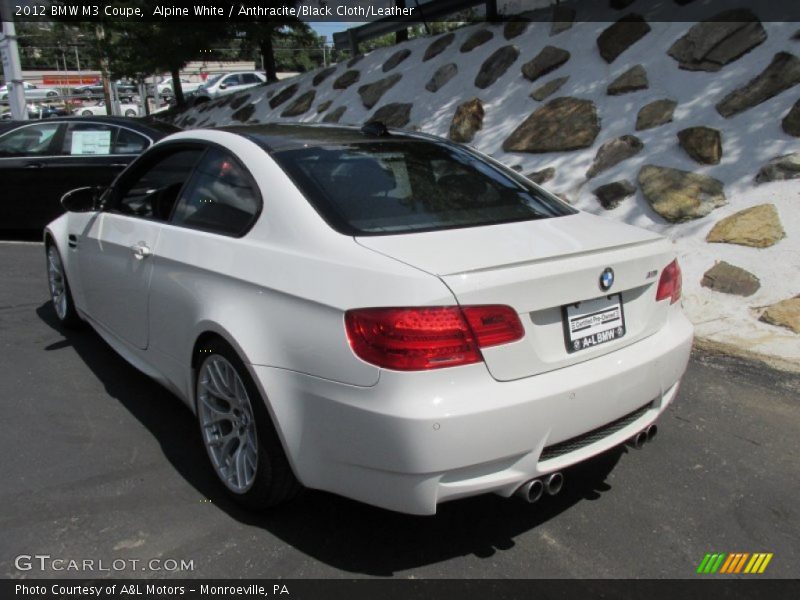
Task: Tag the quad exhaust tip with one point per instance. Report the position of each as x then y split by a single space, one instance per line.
533 490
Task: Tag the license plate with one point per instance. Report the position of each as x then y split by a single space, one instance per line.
593 322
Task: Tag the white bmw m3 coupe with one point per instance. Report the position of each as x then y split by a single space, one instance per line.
384 315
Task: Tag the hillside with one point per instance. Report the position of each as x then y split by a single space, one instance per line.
722 102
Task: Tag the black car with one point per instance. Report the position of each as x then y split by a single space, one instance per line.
42 160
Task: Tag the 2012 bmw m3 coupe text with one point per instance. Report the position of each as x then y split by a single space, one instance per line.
380 314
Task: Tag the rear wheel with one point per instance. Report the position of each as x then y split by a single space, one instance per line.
130 113
60 293
237 431
87 113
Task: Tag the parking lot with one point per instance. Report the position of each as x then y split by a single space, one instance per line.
99 462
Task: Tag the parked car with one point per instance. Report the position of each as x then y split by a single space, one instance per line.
126 91
387 316
32 92
163 87
225 83
40 161
40 111
127 109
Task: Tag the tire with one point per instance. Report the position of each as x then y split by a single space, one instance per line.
130 113
60 293
237 431
87 113
51 94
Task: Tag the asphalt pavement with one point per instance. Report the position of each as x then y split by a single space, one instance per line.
100 463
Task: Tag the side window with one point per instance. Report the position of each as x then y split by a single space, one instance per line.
152 190
250 78
232 80
33 140
91 139
221 197
129 142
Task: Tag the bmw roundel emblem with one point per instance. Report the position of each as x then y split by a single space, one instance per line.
606 278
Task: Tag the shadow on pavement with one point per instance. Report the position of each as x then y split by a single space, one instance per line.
336 531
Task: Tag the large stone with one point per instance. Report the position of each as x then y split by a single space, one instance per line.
561 124
514 28
758 227
611 194
655 114
467 121
283 95
301 105
703 144
323 75
785 313
786 166
621 35
438 46
563 19
395 59
781 74
712 44
549 88
632 80
478 38
241 115
334 115
494 66
397 114
542 176
371 92
346 79
442 75
614 152
729 279
791 122
680 195
549 59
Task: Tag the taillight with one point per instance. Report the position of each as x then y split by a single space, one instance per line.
412 339
670 284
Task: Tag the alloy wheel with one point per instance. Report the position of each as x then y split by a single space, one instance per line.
57 282
227 423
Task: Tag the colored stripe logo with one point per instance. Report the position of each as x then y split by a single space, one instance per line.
734 563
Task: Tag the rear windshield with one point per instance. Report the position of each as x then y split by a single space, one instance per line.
388 187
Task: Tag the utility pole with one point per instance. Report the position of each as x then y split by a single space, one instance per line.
12 71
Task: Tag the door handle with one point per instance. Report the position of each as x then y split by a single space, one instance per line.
34 165
140 251
119 165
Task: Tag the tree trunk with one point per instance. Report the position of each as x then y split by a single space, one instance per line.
177 90
268 58
402 35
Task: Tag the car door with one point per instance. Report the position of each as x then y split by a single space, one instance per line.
117 251
250 80
26 154
231 83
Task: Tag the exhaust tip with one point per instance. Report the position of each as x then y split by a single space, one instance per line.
651 432
531 491
639 440
554 483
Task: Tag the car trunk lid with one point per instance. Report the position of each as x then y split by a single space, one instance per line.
539 268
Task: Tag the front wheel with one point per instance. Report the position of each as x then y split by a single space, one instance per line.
87 113
60 293
238 433
130 113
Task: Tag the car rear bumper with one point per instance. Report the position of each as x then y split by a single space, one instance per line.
416 439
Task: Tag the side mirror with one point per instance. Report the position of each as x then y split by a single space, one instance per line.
222 86
83 199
